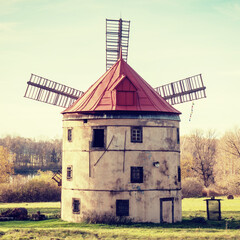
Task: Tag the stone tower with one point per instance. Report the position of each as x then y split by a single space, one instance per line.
121 154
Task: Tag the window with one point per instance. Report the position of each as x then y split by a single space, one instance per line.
70 134
76 206
126 93
125 98
122 207
98 138
136 174
178 136
136 134
179 174
69 173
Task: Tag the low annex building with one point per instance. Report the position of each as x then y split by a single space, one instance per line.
121 153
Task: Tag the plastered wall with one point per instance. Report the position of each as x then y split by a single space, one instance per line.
101 176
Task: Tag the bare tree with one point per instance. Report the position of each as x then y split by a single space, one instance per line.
203 148
231 142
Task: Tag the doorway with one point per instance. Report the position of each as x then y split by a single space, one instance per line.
166 210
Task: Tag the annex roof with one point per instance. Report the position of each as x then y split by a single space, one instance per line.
120 89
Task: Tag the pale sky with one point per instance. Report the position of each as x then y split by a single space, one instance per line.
64 40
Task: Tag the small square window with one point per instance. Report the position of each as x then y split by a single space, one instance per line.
136 134
69 134
136 174
76 206
69 173
122 207
98 138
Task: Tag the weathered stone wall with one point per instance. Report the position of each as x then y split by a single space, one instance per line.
101 176
144 206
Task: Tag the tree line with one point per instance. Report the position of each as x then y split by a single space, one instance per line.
207 162
27 154
211 163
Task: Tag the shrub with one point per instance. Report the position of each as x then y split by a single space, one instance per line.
212 191
192 187
106 218
39 189
232 185
200 220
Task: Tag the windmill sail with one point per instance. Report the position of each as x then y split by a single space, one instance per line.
184 90
45 90
117 37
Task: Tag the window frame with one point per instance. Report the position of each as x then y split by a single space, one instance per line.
119 207
94 140
134 137
76 210
133 177
69 134
69 170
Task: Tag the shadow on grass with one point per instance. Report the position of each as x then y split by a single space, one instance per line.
229 223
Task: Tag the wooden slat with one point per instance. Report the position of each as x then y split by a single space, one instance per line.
117 37
184 90
44 90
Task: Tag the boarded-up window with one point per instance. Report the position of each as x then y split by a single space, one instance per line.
136 134
76 206
69 134
98 138
125 98
122 207
69 173
126 93
136 174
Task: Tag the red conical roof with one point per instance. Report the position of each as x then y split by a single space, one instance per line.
121 89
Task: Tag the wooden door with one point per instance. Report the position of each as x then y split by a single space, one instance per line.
166 210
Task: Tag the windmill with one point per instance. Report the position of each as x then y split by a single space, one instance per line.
117 39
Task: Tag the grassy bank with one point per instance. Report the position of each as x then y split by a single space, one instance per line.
55 229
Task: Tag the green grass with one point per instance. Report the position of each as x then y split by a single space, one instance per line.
50 209
228 228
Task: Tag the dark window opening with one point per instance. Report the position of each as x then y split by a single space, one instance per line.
178 136
98 138
122 207
69 173
85 120
136 174
179 174
69 135
136 134
76 206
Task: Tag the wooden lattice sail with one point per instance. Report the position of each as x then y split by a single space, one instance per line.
117 37
45 90
57 177
117 41
184 90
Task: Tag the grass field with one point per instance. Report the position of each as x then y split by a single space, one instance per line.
55 229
